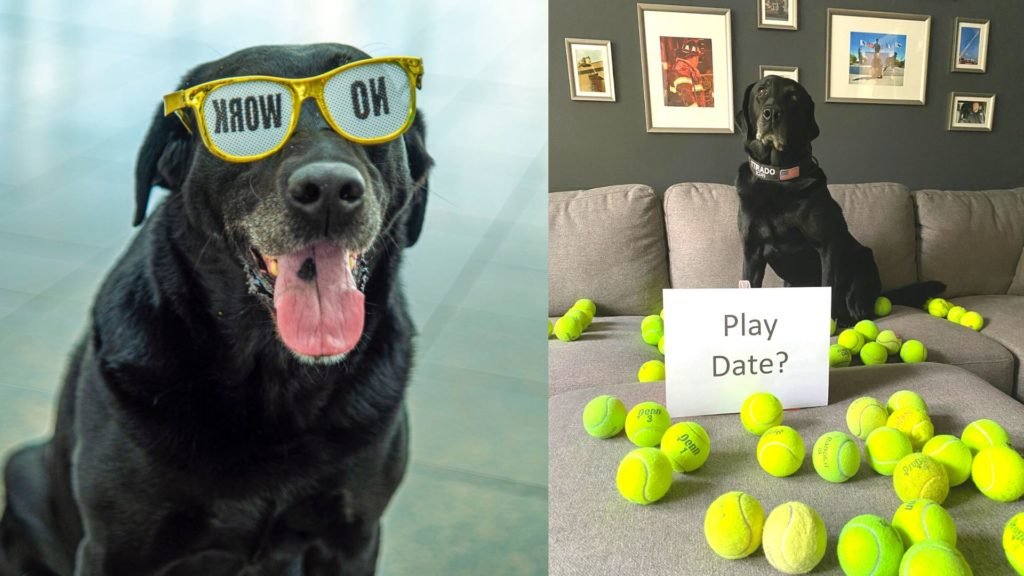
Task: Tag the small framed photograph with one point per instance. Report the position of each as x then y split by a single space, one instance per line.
686 58
791 72
777 14
972 112
590 69
876 57
970 45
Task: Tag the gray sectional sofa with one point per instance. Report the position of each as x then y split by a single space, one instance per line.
622 245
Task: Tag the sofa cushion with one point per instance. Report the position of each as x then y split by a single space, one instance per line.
1004 320
610 351
606 244
1017 286
972 241
704 244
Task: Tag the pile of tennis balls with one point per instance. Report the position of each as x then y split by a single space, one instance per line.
574 322
873 346
652 331
942 308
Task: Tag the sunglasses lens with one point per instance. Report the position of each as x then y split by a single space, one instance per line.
370 101
247 119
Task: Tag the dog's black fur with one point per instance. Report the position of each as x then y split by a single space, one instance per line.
795 225
189 440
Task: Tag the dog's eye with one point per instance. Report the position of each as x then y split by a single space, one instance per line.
762 90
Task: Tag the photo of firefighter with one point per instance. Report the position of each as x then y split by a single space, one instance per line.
688 72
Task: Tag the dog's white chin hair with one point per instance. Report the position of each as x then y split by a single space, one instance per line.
319 360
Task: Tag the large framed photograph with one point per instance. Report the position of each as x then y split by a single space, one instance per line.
777 14
876 57
791 72
970 45
971 112
686 57
590 69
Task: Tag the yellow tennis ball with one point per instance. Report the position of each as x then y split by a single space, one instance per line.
984 433
873 353
972 320
867 329
646 423
567 328
794 538
914 423
885 447
955 314
869 546
923 519
781 451
604 416
932 558
919 476
851 340
644 476
652 328
836 457
883 306
651 371
999 473
906 399
733 525
551 327
938 307
581 316
913 351
587 305
864 415
952 453
838 357
832 329
661 345
1013 542
890 341
687 446
761 411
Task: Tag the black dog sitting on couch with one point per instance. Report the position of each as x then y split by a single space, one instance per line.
789 220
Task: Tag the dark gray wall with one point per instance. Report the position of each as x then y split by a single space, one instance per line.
599 143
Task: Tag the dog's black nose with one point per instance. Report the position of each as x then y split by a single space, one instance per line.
772 113
322 188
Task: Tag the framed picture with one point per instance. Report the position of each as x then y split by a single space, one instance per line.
876 57
686 58
970 45
971 112
777 14
791 72
590 69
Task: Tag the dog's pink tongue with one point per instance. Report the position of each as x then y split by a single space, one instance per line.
319 308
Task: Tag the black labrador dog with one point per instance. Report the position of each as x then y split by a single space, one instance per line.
787 217
196 433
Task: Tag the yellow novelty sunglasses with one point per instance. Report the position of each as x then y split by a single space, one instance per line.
246 118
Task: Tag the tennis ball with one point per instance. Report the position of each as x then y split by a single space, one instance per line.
832 329
984 433
939 307
587 305
551 327
761 411
952 453
972 320
733 525
646 423
890 341
661 345
581 318
923 519
836 457
851 340
913 351
914 423
869 546
662 314
873 353
999 473
651 371
906 399
934 557
652 329
644 476
956 313
794 538
918 476
780 451
568 328
883 306
864 415
839 357
604 416
1013 542
867 329
687 446
885 447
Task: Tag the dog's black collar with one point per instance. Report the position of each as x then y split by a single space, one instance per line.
782 173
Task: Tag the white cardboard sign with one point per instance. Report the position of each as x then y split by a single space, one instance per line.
721 345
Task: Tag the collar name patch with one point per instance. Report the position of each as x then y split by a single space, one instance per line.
766 172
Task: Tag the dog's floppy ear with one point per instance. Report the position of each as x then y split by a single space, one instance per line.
163 160
742 118
420 163
812 124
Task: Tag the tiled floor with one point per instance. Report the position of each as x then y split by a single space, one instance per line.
78 83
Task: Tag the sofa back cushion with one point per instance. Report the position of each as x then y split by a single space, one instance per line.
704 244
972 241
607 244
